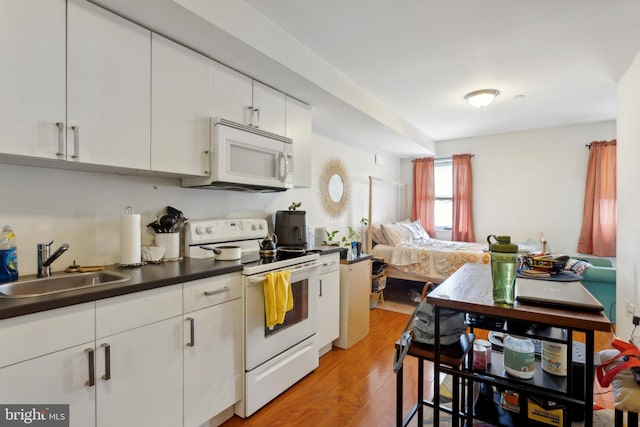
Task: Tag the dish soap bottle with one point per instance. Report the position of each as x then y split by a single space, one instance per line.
8 255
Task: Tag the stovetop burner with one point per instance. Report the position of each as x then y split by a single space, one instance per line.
280 256
254 263
248 234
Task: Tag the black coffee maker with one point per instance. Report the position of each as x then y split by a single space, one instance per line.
291 228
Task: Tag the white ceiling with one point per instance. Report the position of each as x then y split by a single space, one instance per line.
421 57
391 75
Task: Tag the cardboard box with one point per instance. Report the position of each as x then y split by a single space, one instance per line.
545 413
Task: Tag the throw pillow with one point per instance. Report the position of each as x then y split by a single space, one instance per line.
577 265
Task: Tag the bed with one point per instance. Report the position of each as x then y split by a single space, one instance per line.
411 254
416 256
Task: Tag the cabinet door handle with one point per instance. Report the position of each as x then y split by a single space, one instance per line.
257 124
61 150
320 288
107 361
92 368
217 291
192 327
249 116
76 142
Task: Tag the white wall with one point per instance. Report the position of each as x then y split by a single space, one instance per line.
84 208
531 182
628 236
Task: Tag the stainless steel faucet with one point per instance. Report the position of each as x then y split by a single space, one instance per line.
45 259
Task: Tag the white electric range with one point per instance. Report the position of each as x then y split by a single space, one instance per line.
276 358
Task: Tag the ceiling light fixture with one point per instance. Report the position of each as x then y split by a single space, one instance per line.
481 98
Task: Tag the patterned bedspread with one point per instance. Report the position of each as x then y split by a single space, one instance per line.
437 259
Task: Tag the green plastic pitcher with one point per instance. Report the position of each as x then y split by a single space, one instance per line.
504 256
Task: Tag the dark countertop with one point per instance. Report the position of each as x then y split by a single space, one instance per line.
362 257
323 250
149 276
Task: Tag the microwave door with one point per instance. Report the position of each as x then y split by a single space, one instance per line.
247 158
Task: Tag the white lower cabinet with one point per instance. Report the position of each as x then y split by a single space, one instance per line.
127 360
45 358
212 347
329 302
56 378
139 376
139 359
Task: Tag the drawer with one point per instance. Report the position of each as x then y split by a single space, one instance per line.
329 263
118 314
32 335
211 291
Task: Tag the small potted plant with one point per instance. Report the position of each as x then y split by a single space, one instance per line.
356 236
332 239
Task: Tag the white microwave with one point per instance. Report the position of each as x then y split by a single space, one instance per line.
246 158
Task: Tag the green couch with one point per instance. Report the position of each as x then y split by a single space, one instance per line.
600 280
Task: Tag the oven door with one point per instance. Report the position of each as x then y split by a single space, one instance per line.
248 156
300 323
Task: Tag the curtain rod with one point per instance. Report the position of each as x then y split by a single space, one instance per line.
443 158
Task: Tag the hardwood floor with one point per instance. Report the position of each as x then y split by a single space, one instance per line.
356 387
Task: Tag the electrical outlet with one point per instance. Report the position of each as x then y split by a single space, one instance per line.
626 306
632 310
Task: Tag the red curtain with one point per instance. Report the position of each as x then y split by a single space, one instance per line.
462 229
598 234
424 194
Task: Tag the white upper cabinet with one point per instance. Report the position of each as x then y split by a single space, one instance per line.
108 88
268 109
83 85
180 109
231 94
299 130
238 98
32 68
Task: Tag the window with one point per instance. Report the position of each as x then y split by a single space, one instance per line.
443 186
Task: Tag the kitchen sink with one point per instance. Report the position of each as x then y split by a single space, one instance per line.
60 283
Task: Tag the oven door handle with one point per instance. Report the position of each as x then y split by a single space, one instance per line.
261 278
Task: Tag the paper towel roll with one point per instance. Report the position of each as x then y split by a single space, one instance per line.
320 234
130 239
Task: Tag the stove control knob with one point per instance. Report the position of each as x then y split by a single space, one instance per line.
254 227
210 229
261 226
199 230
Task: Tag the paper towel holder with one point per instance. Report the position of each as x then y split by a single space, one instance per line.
129 211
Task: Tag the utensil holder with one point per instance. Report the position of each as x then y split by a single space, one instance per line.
171 244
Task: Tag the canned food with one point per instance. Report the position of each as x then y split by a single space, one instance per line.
479 358
487 345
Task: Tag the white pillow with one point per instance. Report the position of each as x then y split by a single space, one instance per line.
417 231
377 235
396 233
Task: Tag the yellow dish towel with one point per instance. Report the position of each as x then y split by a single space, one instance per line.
278 297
